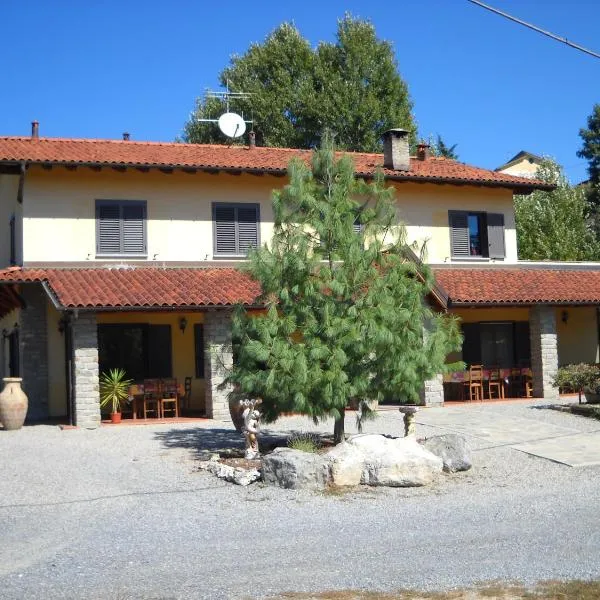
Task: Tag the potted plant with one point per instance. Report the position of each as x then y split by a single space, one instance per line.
114 392
580 378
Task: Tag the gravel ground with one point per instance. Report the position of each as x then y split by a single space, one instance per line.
124 513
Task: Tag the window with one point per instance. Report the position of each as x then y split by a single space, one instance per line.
143 350
121 227
496 344
476 234
199 350
13 240
235 228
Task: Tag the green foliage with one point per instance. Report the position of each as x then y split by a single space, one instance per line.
345 310
114 389
351 88
554 225
577 378
305 442
439 148
591 151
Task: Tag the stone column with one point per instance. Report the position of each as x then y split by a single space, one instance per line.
33 337
432 393
86 393
218 359
544 351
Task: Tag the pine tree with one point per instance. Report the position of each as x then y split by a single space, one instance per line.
346 308
591 150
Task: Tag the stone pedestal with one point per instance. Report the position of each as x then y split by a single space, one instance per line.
432 393
544 351
218 360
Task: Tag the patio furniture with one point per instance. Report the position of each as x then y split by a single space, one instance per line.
516 383
151 397
187 393
475 382
495 383
169 398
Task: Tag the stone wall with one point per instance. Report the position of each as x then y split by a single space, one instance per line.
33 337
86 392
432 393
544 351
218 359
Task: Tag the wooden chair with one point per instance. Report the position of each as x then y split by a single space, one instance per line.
528 379
187 393
169 400
150 401
495 383
475 382
515 387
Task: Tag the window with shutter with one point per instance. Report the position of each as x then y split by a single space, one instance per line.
236 228
459 233
476 234
121 227
495 233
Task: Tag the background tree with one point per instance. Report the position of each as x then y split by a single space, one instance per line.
345 307
555 225
351 88
440 148
591 151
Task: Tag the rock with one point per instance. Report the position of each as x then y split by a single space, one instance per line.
294 469
395 462
228 473
452 449
344 465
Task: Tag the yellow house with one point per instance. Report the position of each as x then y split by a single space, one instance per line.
124 253
522 164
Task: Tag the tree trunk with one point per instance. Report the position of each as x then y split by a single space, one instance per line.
338 430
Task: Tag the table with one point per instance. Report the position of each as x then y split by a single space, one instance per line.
136 396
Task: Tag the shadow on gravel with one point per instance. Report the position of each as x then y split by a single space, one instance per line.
216 441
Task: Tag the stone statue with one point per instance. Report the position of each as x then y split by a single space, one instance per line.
251 427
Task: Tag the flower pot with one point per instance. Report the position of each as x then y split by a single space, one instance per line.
13 404
115 418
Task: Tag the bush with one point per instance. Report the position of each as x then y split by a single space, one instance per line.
578 378
305 442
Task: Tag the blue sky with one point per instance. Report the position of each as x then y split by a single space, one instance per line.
99 68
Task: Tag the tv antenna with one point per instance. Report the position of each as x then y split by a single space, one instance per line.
230 123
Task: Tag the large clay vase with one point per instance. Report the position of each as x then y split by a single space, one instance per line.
13 404
236 412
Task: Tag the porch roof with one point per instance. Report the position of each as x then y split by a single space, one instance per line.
520 286
139 288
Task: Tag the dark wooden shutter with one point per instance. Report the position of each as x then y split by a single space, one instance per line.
224 220
459 233
134 229
108 229
471 350
495 234
13 240
199 349
247 220
158 350
522 344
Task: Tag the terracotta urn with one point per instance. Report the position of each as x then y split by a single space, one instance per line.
13 404
236 412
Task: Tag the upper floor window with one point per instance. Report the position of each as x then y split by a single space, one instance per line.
476 234
236 228
121 227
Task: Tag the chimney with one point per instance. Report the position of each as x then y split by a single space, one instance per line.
395 150
35 130
252 139
125 136
423 151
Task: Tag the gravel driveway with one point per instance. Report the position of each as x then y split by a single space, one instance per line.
124 513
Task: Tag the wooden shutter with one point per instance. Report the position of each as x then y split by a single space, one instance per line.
199 350
522 344
158 349
471 350
108 229
459 233
247 221
224 227
13 240
134 229
495 234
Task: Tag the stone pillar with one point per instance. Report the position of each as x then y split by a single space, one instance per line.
218 359
33 337
432 393
544 351
86 392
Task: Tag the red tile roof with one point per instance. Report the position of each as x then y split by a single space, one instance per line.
480 286
145 287
240 158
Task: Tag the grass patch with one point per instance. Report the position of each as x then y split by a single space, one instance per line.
305 442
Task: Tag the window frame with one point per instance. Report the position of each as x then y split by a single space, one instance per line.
236 206
101 203
489 223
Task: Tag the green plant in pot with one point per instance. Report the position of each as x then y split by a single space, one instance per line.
114 392
580 378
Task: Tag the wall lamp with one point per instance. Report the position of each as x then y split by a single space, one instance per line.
564 317
182 324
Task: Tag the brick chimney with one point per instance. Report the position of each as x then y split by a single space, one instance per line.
35 130
126 136
395 150
423 151
252 139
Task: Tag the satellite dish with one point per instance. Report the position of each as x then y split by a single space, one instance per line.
232 125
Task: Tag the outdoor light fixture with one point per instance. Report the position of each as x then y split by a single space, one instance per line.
182 324
564 316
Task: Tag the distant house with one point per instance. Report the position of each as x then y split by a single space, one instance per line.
523 164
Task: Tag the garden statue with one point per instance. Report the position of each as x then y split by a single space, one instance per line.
251 427
409 412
